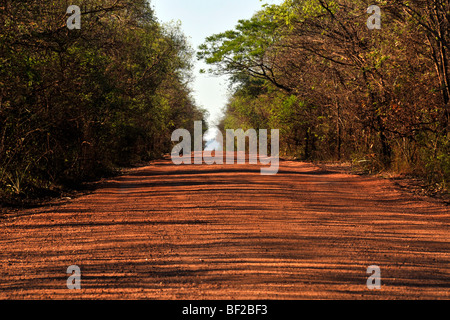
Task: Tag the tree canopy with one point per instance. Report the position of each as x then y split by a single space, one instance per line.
77 104
339 90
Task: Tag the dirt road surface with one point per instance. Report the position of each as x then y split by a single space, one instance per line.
227 232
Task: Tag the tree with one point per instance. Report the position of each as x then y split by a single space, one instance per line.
78 104
340 90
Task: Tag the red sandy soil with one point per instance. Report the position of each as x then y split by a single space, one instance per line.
227 232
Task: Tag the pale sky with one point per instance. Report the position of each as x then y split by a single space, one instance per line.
200 19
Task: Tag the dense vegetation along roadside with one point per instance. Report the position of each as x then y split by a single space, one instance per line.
78 104
338 90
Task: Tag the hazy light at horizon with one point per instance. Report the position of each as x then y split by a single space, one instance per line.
200 19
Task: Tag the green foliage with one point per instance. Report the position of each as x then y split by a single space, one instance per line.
75 105
339 91
244 50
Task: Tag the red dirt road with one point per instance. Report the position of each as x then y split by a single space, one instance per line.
226 232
